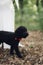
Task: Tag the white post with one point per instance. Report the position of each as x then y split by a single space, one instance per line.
7 16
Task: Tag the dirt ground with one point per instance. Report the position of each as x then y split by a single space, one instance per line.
32 51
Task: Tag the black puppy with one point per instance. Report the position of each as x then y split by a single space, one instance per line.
13 39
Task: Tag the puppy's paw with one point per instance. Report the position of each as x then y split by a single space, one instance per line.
20 56
11 53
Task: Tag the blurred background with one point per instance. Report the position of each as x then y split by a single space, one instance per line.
30 14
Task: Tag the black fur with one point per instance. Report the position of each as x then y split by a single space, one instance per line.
13 39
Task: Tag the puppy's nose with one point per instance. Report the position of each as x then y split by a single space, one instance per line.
27 34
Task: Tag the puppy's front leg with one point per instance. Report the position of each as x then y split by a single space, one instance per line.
18 52
12 50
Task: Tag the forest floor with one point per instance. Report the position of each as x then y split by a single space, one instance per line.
32 51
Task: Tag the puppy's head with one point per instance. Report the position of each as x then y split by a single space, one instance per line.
21 32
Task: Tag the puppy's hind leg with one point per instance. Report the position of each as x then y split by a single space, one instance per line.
2 46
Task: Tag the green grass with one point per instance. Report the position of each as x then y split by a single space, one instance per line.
31 21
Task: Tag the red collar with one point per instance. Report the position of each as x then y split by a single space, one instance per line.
18 39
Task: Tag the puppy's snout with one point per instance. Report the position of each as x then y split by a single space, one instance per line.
25 34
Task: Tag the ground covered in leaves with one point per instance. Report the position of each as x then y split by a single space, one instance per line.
32 51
